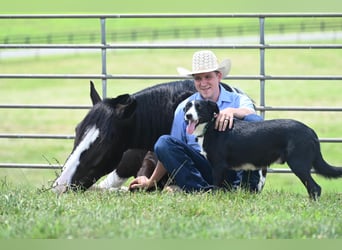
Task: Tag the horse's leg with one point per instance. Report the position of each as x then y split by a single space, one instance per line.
129 165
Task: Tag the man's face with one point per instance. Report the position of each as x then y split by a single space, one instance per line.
207 84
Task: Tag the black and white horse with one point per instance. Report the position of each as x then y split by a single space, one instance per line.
117 129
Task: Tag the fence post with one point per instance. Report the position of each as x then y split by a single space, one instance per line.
262 64
104 58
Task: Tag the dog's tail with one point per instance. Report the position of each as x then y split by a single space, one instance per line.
325 169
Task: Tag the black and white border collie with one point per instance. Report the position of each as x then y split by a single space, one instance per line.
256 145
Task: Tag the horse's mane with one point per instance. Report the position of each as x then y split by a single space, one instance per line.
155 109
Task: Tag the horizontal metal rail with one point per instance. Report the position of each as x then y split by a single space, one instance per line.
185 15
170 46
30 166
42 106
258 108
54 166
283 171
287 108
36 136
108 76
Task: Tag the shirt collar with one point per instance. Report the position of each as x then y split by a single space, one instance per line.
224 97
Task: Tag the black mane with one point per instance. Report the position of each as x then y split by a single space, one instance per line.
160 101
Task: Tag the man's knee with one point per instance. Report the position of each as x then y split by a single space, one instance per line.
162 143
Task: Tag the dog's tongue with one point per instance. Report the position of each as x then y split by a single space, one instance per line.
190 128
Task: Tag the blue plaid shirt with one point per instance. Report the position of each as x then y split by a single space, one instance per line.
226 99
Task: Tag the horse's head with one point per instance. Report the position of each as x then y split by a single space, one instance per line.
99 142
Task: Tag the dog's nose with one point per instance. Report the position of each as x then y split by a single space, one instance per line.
188 116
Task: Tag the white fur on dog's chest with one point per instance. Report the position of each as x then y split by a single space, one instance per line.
200 142
200 137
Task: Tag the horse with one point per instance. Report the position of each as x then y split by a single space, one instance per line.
117 129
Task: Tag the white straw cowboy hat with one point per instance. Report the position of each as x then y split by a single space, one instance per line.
205 61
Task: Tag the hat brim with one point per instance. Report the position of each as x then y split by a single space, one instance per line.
224 68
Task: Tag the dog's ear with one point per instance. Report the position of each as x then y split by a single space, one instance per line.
213 107
94 96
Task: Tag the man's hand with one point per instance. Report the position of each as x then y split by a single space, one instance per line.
141 182
224 119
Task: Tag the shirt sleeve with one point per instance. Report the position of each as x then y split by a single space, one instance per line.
178 124
246 102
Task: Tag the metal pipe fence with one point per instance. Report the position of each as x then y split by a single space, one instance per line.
104 46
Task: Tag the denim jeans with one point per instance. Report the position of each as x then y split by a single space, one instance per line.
192 171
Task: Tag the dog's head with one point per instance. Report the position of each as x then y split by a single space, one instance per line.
197 114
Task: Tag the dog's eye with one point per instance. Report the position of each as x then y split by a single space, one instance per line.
187 106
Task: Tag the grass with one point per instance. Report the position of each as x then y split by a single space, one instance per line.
83 30
147 29
157 215
150 6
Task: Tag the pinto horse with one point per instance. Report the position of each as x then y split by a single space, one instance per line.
115 130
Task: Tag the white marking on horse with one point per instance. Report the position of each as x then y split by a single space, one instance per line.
112 180
63 181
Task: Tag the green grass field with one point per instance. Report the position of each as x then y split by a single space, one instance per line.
176 6
282 211
92 215
39 30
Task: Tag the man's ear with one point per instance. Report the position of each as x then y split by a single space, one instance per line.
219 76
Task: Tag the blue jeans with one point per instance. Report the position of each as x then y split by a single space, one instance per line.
192 171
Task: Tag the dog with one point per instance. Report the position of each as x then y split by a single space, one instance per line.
256 145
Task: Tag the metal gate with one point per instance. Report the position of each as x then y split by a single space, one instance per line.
104 75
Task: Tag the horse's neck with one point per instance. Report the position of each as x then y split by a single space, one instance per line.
148 129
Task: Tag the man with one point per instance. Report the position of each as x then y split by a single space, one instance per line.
179 153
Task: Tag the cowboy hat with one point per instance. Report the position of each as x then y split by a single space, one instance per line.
205 61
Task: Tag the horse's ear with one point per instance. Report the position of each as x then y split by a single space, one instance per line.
126 106
94 96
